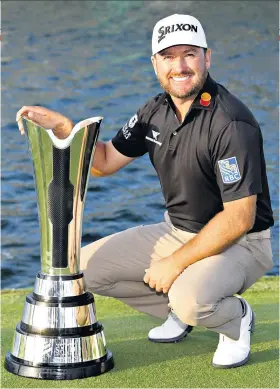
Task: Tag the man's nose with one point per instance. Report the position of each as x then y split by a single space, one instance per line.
180 64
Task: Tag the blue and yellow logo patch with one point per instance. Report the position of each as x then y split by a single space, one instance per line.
229 170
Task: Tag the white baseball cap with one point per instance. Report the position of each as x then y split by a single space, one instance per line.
178 30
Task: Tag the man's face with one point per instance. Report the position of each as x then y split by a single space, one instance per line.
182 70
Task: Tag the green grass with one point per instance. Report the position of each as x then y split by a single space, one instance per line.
143 364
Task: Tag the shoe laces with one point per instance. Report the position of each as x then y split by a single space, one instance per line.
224 341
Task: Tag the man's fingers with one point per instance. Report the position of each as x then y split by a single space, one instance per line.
32 115
22 111
158 288
37 117
20 126
152 285
26 109
33 108
146 278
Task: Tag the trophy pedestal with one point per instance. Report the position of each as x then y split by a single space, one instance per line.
59 336
59 372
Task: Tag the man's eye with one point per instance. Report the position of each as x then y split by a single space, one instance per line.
168 57
190 55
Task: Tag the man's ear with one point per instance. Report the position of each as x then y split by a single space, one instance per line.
153 59
208 58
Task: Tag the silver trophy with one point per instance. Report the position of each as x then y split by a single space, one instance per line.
59 336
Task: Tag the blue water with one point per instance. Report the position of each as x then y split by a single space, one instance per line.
88 58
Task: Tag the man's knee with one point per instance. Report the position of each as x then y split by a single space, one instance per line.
192 309
88 251
196 314
97 276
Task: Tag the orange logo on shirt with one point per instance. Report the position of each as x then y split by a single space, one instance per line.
205 99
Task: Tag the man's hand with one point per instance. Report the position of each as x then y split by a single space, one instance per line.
61 125
162 274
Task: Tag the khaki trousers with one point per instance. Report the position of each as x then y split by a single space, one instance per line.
203 295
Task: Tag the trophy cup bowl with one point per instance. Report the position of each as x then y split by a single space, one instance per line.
59 336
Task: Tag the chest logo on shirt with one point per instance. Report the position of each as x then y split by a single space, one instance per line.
229 170
154 138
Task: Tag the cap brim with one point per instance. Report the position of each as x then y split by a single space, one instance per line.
180 44
179 41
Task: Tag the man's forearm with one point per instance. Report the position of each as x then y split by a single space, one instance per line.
99 160
219 234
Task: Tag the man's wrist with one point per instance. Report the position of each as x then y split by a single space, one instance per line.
177 262
69 125
63 130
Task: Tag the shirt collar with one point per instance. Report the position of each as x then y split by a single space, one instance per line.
205 99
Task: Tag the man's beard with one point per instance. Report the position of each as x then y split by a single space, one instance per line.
193 91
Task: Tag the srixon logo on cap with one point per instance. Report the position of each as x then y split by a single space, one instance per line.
164 30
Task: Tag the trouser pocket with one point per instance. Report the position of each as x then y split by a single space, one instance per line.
259 260
261 251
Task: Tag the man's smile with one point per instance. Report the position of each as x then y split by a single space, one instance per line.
180 79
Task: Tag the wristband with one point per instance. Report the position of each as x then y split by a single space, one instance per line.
96 173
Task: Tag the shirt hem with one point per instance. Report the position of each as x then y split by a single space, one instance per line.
241 194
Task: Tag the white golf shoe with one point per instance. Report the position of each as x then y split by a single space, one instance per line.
171 331
234 353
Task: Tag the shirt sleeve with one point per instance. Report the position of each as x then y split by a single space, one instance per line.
236 157
130 139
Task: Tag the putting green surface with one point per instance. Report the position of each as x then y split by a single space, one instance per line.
140 363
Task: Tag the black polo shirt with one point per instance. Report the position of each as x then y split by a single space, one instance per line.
215 155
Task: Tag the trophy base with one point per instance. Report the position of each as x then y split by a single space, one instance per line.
67 371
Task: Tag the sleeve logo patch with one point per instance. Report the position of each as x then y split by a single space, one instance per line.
130 124
229 170
133 121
